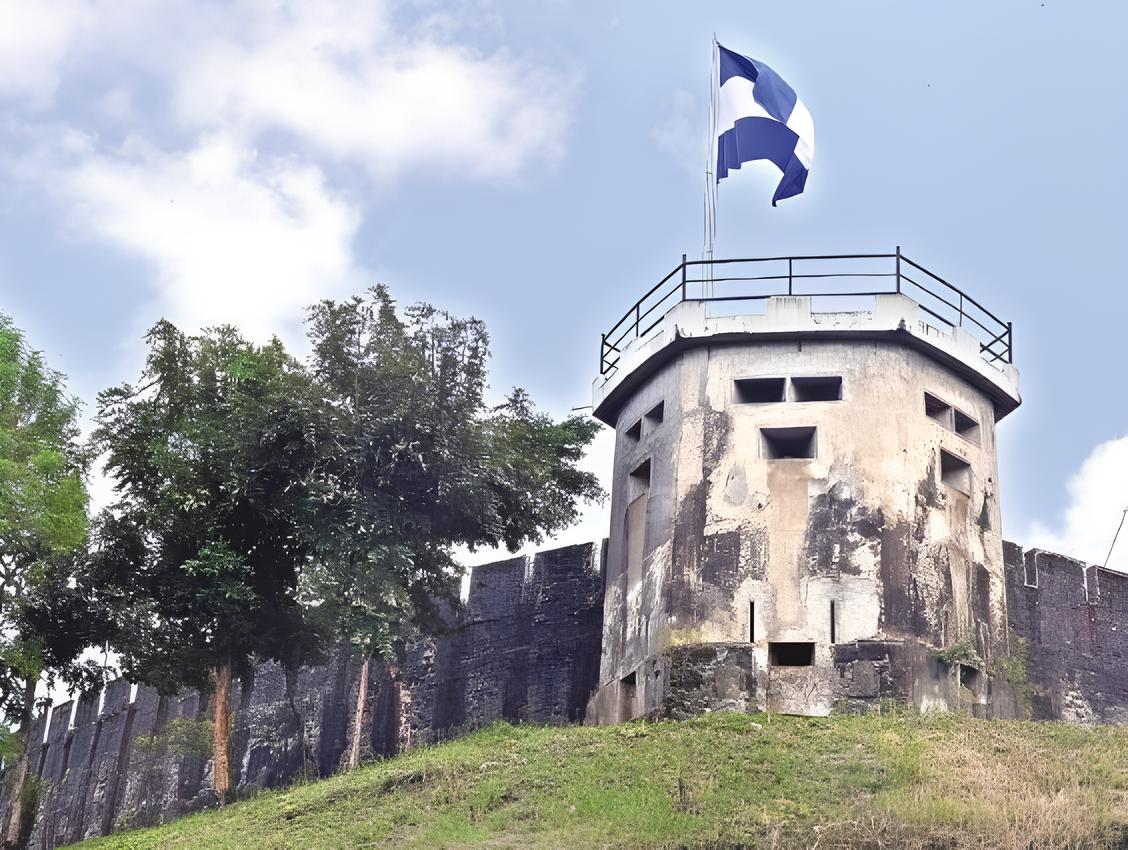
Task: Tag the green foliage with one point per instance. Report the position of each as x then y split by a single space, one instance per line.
182 737
47 615
1013 668
10 745
414 463
723 780
264 505
201 552
961 652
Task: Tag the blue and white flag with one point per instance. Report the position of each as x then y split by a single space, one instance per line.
760 117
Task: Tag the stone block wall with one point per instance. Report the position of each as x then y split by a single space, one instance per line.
1074 620
525 647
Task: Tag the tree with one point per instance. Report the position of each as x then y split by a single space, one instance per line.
414 463
200 551
46 620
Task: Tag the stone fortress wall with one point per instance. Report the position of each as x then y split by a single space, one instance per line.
525 649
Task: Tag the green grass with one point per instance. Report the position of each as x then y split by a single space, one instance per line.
724 780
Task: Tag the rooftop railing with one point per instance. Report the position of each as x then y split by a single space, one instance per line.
829 277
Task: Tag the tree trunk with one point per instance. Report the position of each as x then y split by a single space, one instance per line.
221 776
18 806
358 721
291 681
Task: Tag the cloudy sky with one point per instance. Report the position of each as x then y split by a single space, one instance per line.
538 163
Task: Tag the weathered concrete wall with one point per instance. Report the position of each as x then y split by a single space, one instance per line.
525 648
741 546
1074 621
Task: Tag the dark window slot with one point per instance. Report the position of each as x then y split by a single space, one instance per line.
751 622
760 390
788 443
641 474
833 625
816 389
955 471
791 654
966 427
937 410
634 432
657 413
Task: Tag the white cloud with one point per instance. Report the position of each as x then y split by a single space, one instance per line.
1098 493
340 77
364 83
34 38
237 116
232 237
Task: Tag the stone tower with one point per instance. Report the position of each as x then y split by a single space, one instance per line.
805 509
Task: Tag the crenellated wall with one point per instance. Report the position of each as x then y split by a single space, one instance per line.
1074 620
527 648
524 648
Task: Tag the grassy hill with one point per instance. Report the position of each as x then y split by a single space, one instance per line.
722 781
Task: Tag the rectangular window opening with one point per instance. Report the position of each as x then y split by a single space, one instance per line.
634 433
938 411
791 654
657 413
640 475
751 622
760 390
636 540
627 687
966 427
816 389
833 626
955 471
788 443
970 677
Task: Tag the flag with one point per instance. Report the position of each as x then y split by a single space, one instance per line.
759 117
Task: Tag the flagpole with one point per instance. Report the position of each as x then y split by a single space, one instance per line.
710 223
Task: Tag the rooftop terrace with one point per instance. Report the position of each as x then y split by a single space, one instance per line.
832 296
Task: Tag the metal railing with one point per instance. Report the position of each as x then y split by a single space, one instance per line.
837 276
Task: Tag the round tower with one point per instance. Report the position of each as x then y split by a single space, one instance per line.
804 506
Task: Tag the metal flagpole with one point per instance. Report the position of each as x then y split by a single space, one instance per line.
710 226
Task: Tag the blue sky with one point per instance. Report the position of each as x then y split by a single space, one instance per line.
539 164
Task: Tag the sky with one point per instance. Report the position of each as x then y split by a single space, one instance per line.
539 164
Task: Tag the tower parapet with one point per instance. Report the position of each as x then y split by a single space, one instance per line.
804 500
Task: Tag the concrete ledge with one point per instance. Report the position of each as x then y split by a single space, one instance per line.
894 317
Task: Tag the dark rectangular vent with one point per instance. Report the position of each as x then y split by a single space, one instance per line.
760 390
816 389
966 427
791 654
955 471
937 410
788 443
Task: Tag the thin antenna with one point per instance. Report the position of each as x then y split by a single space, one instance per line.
1123 514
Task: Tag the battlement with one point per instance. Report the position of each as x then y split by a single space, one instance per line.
1074 619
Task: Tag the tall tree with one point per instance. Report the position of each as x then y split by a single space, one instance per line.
200 551
44 621
414 462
